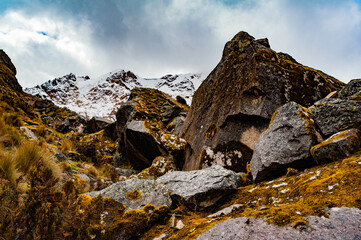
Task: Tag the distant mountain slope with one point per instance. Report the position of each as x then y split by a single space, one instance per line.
103 95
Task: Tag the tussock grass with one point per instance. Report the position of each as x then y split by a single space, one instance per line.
29 154
9 136
7 167
67 146
12 119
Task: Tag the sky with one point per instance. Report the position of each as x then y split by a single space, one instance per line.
47 39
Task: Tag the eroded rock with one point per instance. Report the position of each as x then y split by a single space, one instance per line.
234 105
286 143
338 146
136 193
200 188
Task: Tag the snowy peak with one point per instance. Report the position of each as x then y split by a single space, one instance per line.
103 95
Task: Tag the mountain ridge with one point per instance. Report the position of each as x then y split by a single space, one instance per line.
102 96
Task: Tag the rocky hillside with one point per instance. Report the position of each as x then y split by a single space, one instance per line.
273 148
234 105
102 96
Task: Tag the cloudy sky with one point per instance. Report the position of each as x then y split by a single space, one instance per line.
47 39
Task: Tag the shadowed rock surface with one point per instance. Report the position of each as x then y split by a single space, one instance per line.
95 124
233 106
343 223
200 188
286 143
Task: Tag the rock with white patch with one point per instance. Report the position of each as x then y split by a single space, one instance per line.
200 188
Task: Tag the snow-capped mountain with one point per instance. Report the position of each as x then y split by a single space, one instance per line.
103 95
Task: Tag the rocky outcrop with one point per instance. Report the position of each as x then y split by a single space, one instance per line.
8 72
352 91
136 193
144 131
200 188
342 223
4 58
336 115
338 146
234 105
286 143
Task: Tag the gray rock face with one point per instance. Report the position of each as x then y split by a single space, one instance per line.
234 104
336 115
343 223
286 143
136 193
351 91
200 188
338 146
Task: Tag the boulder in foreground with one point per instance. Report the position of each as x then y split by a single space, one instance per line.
200 188
136 193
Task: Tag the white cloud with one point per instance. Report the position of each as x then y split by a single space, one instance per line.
153 38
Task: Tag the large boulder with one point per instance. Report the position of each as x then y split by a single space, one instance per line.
200 188
143 132
136 193
342 223
234 105
286 143
338 146
336 115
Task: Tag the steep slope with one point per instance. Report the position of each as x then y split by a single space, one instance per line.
102 96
